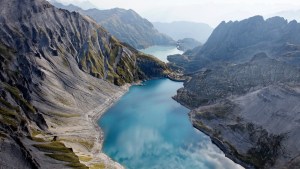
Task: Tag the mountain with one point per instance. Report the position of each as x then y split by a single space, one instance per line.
288 14
238 41
83 4
183 29
187 44
125 25
58 75
243 90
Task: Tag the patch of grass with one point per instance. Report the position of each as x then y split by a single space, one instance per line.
35 132
6 52
15 92
64 115
77 166
60 152
8 121
8 112
85 158
9 117
55 146
86 143
63 100
65 62
8 105
97 166
66 157
37 139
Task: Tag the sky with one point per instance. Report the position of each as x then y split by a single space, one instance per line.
211 12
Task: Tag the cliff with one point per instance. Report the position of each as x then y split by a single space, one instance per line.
238 41
249 110
58 74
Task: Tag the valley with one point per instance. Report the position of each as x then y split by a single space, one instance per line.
83 87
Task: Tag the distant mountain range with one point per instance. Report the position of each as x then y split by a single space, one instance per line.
288 14
238 41
183 29
83 4
125 25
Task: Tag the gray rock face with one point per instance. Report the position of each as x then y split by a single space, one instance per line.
260 128
237 42
250 110
57 66
211 85
125 25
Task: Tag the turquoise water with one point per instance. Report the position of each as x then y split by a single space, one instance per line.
147 129
161 52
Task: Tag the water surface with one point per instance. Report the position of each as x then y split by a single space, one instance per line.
147 129
161 52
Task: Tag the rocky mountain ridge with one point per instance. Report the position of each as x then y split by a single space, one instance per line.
126 25
58 70
238 41
244 91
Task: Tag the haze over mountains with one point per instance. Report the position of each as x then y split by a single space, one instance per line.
125 25
288 14
184 29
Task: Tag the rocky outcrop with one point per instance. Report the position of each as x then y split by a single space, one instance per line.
211 85
187 44
58 71
249 110
125 25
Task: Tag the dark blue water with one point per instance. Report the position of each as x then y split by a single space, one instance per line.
147 129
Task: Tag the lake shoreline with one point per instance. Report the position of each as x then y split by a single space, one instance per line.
124 139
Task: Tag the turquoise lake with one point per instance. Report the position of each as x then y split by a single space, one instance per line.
147 129
161 52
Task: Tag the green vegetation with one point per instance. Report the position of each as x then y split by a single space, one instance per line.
53 147
85 158
9 117
63 100
92 63
63 115
65 62
15 92
6 52
86 143
37 139
60 152
97 166
8 105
